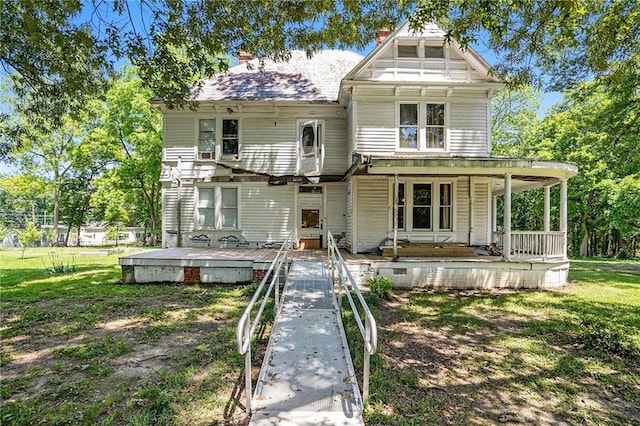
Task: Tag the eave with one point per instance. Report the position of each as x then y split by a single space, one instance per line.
526 173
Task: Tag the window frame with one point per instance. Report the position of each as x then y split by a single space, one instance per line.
422 142
220 138
416 50
217 207
212 153
435 207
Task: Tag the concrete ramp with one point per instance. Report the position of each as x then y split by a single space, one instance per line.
307 377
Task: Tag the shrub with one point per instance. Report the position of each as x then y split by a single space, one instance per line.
380 286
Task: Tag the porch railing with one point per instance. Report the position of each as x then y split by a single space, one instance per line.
347 285
545 244
246 328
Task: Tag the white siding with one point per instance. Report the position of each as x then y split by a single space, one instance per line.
268 145
481 210
179 138
336 208
372 213
336 146
462 210
170 208
267 211
376 131
468 129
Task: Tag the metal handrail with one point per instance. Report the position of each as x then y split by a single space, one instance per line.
246 328
368 330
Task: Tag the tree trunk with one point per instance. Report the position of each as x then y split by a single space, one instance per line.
584 245
56 207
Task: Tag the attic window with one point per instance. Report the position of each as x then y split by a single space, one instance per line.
434 52
406 51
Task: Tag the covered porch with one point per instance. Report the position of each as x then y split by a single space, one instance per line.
503 177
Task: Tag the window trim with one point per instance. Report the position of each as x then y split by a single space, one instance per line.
217 207
402 58
435 228
422 127
219 137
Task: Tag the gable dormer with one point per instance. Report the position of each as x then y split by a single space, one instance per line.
417 95
424 56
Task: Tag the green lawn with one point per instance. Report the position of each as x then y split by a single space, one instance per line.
80 348
534 357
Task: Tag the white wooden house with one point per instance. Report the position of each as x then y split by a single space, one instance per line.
389 149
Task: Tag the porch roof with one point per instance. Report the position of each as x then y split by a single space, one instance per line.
525 173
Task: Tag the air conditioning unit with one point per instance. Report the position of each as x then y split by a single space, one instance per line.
206 155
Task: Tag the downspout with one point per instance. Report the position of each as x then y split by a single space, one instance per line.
395 218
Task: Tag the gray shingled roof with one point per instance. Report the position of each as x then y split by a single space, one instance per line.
315 79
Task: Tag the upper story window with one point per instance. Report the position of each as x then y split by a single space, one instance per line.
422 126
409 126
213 144
434 52
207 139
434 126
407 51
230 137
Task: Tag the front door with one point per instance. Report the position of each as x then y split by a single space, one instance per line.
310 220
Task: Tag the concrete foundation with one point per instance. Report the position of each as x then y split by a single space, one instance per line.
225 266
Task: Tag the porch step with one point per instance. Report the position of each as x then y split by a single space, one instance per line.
430 250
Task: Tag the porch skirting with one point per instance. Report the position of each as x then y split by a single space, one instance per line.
241 266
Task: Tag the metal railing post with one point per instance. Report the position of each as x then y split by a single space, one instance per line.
367 356
246 328
368 330
247 367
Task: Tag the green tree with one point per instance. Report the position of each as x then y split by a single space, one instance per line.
60 53
134 128
50 152
596 127
568 41
25 197
29 236
514 121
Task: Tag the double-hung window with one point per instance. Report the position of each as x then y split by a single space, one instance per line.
434 126
217 207
220 133
422 126
207 139
409 126
230 140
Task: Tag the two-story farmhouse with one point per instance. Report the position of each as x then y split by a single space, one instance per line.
390 152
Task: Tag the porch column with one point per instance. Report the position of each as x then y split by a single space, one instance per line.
506 240
547 209
395 217
563 213
494 213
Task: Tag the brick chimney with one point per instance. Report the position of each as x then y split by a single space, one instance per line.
244 57
382 36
